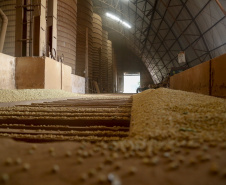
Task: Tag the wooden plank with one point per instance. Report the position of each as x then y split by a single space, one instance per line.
218 76
195 79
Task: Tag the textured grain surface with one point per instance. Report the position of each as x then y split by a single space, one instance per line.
85 117
177 138
165 113
32 94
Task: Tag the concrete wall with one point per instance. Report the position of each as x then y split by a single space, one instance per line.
7 72
207 78
78 84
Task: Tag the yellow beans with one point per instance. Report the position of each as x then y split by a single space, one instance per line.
55 168
26 166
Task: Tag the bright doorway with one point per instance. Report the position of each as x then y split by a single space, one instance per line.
131 82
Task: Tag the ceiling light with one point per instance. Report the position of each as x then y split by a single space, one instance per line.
114 17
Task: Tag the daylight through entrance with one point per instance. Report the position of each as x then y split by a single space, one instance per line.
131 82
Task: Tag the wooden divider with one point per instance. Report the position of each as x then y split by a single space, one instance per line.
218 73
195 79
208 78
42 73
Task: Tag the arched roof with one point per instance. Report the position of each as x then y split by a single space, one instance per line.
163 28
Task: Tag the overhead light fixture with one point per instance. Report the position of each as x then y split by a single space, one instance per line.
114 17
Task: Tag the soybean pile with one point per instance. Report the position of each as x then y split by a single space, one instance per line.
175 138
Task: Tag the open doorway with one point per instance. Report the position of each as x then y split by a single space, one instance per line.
131 82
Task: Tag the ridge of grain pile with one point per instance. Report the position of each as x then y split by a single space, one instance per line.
33 94
165 113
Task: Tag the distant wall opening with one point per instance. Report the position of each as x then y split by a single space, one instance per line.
131 82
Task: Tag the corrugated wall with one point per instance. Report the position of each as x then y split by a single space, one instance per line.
97 44
8 7
110 67
115 76
66 31
104 63
85 20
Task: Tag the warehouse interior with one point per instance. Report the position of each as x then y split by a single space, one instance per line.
113 92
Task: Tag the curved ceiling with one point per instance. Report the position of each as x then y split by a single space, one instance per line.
163 28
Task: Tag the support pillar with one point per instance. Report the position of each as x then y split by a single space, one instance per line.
39 28
51 49
19 28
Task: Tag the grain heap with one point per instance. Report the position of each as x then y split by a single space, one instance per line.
32 94
176 138
163 113
86 117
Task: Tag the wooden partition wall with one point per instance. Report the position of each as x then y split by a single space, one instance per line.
208 78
